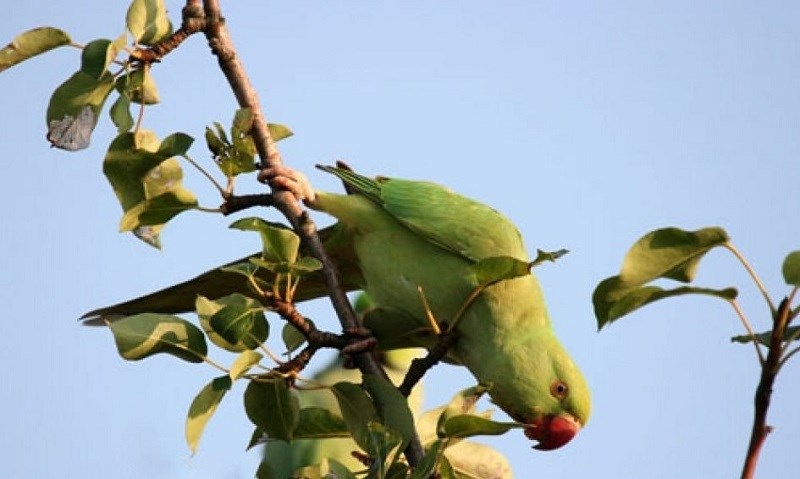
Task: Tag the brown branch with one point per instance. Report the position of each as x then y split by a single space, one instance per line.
222 46
769 372
236 203
194 21
420 366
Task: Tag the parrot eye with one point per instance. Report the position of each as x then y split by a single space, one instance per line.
559 389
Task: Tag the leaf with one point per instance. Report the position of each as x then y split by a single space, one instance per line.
792 333
552 256
384 446
668 253
279 132
97 55
146 334
251 337
499 268
392 406
272 407
357 410
120 114
236 319
203 407
461 403
72 133
338 470
280 244
292 338
139 86
73 109
427 466
243 363
612 299
146 179
791 269
468 425
147 21
319 423
31 43
470 460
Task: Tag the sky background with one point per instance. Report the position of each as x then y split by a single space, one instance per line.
587 123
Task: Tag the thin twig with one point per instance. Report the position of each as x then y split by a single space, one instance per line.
752 274
749 329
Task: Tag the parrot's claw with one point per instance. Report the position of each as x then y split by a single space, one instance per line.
287 179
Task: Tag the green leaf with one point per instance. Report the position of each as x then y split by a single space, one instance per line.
468 425
305 265
461 403
243 363
791 269
31 43
235 320
146 179
613 299
203 407
139 86
73 109
499 268
242 120
97 55
552 256
392 406
357 410
384 446
669 253
147 21
120 114
319 423
278 132
257 327
792 333
470 460
272 407
427 466
280 244
339 470
146 334
292 338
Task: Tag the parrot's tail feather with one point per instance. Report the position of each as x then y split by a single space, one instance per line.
355 183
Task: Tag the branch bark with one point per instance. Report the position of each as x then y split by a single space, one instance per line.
769 371
222 46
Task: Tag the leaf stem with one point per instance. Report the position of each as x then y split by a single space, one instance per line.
749 329
752 274
207 175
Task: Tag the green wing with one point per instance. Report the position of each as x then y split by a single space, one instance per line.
454 222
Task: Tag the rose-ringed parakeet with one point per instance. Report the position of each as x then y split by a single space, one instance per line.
411 245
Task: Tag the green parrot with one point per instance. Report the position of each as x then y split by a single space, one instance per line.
411 246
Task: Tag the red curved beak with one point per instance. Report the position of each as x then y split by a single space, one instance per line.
552 432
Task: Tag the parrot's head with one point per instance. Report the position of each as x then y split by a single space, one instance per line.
550 395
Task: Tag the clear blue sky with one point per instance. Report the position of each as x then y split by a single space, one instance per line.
588 123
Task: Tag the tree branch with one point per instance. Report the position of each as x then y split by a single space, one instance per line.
769 372
222 46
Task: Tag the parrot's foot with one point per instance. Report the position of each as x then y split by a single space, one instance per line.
288 179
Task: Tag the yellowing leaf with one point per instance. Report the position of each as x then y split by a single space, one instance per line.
203 407
31 43
147 21
146 334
